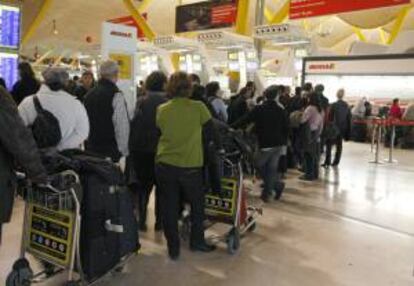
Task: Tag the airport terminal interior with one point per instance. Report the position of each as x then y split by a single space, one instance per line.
196 142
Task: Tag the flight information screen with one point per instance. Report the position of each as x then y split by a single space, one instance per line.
9 26
8 68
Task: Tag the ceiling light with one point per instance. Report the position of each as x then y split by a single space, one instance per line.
291 43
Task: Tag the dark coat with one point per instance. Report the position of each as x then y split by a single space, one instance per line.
80 92
271 124
237 109
99 106
340 115
144 134
24 88
16 144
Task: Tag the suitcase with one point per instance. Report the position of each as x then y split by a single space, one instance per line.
128 240
109 230
99 247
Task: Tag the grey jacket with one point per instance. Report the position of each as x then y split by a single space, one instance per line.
16 145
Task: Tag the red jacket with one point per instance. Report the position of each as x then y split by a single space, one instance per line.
396 111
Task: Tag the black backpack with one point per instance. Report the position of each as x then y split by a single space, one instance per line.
45 128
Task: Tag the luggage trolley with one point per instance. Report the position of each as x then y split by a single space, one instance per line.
229 207
51 230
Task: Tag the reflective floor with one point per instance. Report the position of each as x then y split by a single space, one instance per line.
354 227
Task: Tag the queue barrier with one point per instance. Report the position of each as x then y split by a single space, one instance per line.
379 124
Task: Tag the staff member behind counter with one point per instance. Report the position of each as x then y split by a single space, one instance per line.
179 162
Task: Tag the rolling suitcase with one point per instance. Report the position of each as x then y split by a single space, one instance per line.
109 230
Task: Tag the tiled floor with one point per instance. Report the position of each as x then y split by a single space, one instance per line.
355 227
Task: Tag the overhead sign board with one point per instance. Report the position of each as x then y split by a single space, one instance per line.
389 66
205 15
312 8
119 43
130 21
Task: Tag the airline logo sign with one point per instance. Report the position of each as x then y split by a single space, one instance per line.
300 9
129 21
322 67
361 67
121 34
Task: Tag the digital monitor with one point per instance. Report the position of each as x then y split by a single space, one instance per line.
8 68
9 26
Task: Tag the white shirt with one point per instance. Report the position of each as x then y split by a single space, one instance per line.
71 114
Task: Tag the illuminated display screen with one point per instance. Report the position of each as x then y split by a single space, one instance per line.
8 68
9 26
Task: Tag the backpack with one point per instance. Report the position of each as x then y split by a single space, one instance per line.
45 128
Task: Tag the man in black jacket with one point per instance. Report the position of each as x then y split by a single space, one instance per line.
340 116
108 115
16 144
143 143
271 125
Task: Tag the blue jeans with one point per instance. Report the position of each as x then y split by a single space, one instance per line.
267 163
312 158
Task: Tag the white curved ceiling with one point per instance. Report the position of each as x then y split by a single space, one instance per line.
78 19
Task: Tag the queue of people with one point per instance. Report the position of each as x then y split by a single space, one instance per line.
172 138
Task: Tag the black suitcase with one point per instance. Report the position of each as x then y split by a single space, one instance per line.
109 230
99 247
128 239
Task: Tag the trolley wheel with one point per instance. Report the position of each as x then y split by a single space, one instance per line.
252 227
21 275
233 241
185 228
49 269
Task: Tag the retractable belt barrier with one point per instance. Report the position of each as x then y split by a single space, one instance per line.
379 124
384 122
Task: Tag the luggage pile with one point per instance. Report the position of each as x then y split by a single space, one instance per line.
99 224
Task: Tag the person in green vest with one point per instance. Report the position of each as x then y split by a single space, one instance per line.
179 161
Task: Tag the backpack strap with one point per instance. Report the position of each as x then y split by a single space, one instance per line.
37 104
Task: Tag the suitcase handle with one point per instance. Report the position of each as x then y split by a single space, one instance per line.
113 227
